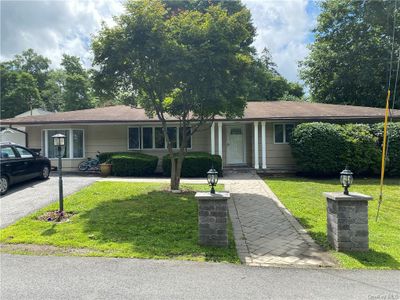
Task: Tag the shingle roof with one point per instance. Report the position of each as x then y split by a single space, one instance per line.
261 110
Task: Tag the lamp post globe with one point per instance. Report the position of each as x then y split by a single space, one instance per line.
346 179
212 179
59 144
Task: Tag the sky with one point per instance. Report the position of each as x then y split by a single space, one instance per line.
54 27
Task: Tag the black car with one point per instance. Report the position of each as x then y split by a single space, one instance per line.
20 164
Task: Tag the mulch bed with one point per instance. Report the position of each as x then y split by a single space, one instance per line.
56 216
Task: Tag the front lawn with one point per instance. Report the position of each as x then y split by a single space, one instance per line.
119 219
303 197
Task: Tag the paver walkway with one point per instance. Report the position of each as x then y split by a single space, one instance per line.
265 231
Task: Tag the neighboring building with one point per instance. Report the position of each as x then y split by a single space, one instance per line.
16 134
260 139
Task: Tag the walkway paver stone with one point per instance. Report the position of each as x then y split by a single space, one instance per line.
265 232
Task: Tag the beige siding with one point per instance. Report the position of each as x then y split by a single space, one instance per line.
110 138
279 156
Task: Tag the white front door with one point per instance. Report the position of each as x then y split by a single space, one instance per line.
235 145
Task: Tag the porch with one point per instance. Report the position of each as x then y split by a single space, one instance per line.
260 145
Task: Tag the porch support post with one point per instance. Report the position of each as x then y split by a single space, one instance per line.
256 162
220 139
263 146
213 138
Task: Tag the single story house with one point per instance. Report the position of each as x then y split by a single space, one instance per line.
260 139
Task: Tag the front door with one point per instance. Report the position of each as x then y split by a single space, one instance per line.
235 145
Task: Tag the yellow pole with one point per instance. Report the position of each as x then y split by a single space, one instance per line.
383 152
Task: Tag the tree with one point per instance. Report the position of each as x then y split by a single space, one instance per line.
77 87
349 60
265 83
19 92
191 65
53 93
31 62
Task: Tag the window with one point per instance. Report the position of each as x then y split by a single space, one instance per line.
7 152
74 143
24 153
134 138
159 140
172 136
51 150
288 132
188 132
283 133
153 137
147 138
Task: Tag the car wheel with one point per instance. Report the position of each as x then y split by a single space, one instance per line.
45 172
3 185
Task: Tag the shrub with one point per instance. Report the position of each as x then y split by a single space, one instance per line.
393 162
195 164
324 149
130 163
363 155
319 148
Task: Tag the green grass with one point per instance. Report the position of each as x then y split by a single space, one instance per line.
303 197
118 219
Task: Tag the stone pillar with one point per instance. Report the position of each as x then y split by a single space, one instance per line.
213 218
347 221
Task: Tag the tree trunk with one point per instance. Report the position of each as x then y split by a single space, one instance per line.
176 168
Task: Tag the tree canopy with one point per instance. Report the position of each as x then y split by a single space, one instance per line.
28 82
349 60
191 64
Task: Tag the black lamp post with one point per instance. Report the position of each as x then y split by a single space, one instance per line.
59 144
346 179
212 179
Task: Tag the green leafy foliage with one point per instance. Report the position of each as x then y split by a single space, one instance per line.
349 60
130 163
18 92
319 148
265 83
27 81
393 136
195 164
323 149
186 60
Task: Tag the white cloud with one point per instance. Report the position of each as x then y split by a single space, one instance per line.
283 27
54 27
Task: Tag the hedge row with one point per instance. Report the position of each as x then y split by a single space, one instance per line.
195 164
324 149
130 163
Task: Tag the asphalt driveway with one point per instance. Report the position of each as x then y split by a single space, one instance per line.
25 198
